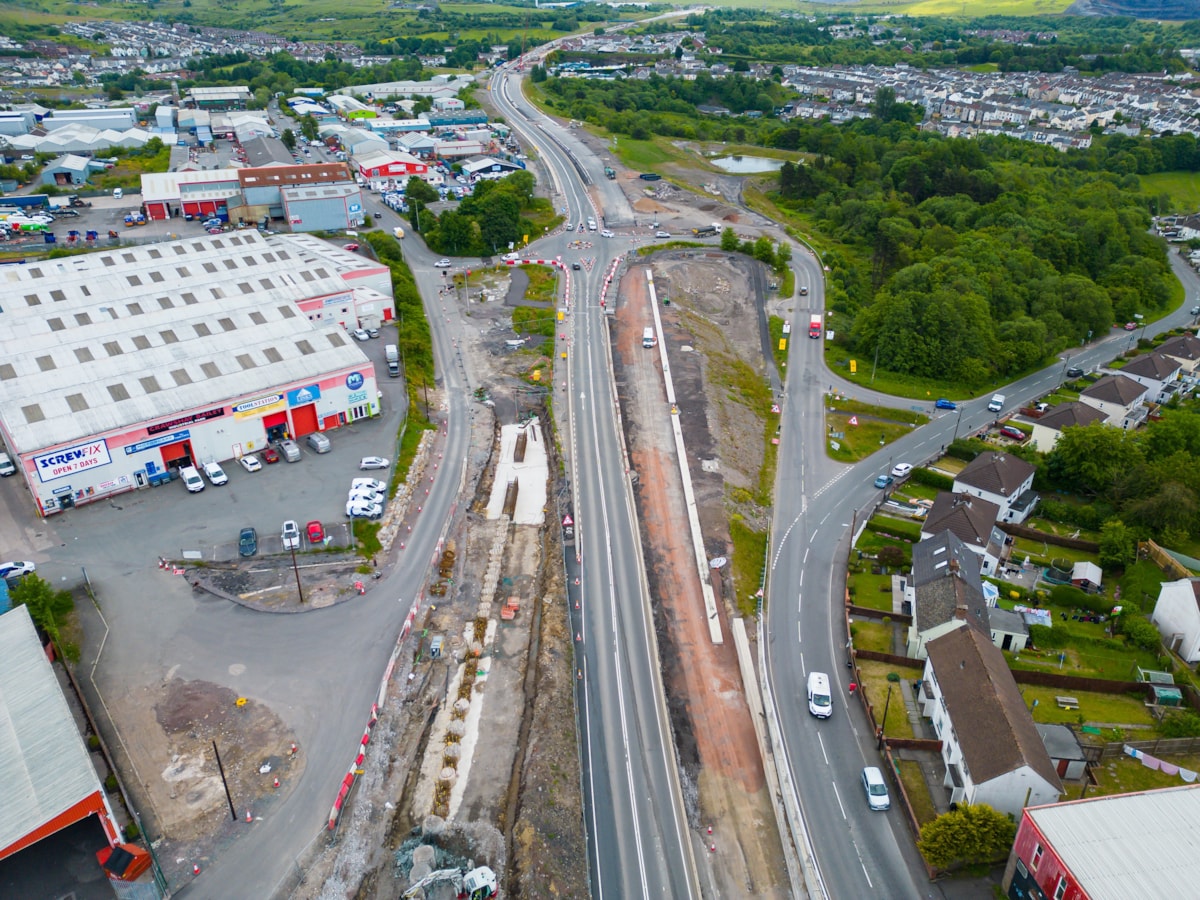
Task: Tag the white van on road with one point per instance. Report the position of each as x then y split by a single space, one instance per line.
820 700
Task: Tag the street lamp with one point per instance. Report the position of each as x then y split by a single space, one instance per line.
883 721
957 422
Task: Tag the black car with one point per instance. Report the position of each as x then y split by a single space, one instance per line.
248 542
64 211
1074 372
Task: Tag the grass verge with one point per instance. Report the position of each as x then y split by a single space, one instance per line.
540 218
529 320
917 790
543 285
874 677
749 563
670 245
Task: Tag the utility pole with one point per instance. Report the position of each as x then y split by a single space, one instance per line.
296 570
224 783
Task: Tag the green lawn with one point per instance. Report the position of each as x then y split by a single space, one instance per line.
775 325
857 407
917 790
924 389
859 441
868 590
1125 774
1039 550
874 677
543 284
670 245
872 634
530 320
643 156
1094 709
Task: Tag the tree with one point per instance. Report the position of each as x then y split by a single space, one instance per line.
764 250
729 240
419 191
289 139
47 607
973 833
1116 545
1092 457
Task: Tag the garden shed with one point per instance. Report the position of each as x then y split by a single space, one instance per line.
1087 576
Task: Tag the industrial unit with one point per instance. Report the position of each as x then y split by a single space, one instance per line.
117 368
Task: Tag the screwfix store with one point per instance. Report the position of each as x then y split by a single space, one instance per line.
117 368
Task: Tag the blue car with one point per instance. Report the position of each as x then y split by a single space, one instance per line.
883 481
945 404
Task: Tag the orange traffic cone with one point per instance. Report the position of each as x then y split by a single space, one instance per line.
196 869
277 785
249 818
578 636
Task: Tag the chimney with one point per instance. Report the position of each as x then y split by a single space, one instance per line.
954 566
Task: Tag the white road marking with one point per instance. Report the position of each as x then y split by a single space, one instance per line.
822 743
839 800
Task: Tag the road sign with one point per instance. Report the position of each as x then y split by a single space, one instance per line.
567 520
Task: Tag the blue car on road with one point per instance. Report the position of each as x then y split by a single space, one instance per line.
943 403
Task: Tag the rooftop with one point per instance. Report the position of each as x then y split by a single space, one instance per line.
1064 415
996 473
1119 389
105 340
970 518
1156 366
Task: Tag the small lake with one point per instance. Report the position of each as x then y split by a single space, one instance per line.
747 165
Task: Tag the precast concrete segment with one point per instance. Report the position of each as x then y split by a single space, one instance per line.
685 473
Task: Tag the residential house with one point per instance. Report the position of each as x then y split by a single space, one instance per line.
945 590
992 750
1065 753
1120 398
1185 350
1003 479
973 521
1157 372
1141 844
1177 617
1049 427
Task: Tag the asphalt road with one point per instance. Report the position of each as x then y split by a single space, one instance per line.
639 846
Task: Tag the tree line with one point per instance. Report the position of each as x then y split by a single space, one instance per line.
483 224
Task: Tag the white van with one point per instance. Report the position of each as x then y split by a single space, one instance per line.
648 338
6 466
191 479
820 701
996 404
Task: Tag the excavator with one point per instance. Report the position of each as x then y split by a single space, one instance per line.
476 884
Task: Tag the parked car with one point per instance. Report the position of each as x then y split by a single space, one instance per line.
215 473
901 470
290 451
374 462
369 483
315 532
290 535
943 403
249 462
118 193
363 509
65 211
1074 372
876 788
372 332
442 264
883 481
351 246
1010 431
365 494
270 456
16 569
247 542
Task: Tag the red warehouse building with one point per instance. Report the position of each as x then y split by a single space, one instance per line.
1109 848
384 164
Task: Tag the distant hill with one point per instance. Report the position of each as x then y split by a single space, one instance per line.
1171 10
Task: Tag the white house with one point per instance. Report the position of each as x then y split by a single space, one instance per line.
1185 350
1157 372
1177 617
973 521
1003 479
1120 398
1047 429
990 745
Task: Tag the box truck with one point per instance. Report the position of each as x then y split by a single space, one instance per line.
393 360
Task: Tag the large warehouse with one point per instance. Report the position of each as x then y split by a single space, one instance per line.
117 367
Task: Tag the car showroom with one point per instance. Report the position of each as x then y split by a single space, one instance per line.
122 367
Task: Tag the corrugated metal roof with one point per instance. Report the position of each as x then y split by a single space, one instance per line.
44 766
107 340
1132 845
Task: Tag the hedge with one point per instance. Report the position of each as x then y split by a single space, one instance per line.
933 479
909 531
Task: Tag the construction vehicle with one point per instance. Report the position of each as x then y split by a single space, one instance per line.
705 231
477 884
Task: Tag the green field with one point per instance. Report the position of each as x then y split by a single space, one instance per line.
1182 187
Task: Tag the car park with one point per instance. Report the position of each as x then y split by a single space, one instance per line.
315 532
249 462
876 788
374 462
1011 431
290 535
901 470
883 481
943 403
16 569
215 474
247 542
442 264
1074 372
270 456
363 509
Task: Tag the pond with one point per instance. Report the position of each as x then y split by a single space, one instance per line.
747 165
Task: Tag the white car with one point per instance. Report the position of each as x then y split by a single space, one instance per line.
511 257
367 497
369 484
374 462
360 335
442 264
362 509
290 535
901 470
662 234
16 569
118 193
215 473
249 462
606 233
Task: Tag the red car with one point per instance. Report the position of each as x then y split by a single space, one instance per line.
1010 431
1131 326
270 455
316 534
350 246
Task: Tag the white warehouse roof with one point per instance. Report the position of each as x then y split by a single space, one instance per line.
1131 845
107 340
45 768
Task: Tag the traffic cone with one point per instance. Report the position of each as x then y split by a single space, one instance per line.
712 848
709 827
577 581
277 785
196 869
249 818
578 636
293 750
